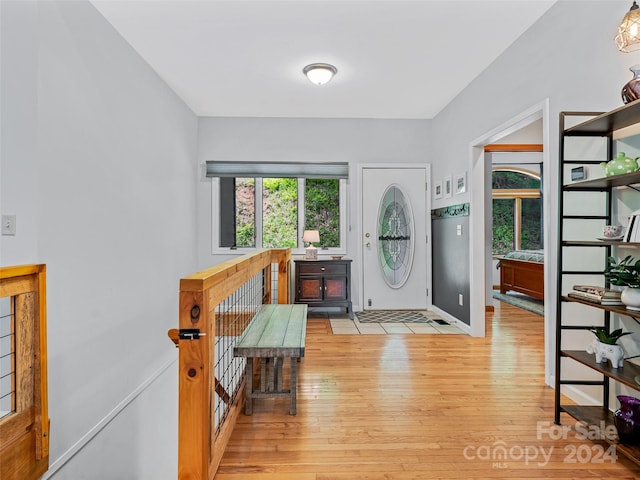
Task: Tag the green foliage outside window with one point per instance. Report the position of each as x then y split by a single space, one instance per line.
505 180
322 210
280 212
504 210
531 231
503 231
245 212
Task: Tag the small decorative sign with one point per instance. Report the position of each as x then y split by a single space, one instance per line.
578 173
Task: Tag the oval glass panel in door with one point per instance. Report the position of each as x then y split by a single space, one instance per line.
395 236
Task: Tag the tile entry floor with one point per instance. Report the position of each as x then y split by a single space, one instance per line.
341 324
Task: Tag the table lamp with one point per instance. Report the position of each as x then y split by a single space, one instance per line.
311 236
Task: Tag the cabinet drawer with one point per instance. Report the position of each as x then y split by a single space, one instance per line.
327 267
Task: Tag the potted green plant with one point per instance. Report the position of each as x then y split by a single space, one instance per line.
625 273
610 338
605 346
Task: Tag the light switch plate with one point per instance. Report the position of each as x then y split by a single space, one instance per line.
8 224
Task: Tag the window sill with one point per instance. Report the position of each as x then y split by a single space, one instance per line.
296 252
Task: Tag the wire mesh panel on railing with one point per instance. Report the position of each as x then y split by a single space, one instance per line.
274 282
231 319
7 357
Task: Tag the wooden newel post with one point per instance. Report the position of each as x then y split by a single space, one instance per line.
283 259
194 432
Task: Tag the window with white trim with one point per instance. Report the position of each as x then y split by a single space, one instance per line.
517 210
265 212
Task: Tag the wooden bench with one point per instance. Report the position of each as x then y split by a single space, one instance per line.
276 332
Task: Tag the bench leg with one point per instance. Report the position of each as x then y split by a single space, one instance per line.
293 385
248 388
263 374
271 383
279 362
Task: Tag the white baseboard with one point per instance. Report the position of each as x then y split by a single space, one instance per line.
451 319
578 396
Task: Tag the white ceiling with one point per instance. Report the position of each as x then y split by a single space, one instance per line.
395 59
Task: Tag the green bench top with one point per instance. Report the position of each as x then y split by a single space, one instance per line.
275 331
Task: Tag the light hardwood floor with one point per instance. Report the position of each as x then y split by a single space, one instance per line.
399 407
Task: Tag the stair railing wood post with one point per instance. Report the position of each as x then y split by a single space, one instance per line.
194 434
41 377
283 258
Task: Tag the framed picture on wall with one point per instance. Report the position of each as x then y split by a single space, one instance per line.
437 189
447 186
461 183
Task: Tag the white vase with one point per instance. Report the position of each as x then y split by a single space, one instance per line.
631 298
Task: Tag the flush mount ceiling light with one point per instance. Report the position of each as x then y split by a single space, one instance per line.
628 38
319 73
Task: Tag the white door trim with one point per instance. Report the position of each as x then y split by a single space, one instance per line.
360 228
477 237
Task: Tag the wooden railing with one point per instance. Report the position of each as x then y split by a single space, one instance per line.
24 420
215 307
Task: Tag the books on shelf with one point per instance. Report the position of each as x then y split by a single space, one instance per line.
632 233
594 299
595 294
600 291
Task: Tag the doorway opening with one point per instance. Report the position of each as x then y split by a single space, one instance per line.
481 244
517 221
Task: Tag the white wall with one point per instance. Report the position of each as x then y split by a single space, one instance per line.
18 124
569 57
531 133
355 141
98 163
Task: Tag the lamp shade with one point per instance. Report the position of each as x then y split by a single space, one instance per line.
319 73
628 38
311 236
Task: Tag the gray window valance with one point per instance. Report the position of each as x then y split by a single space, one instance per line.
277 169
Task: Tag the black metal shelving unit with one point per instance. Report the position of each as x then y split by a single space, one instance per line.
603 126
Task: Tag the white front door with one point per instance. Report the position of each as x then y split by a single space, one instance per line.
394 252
